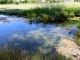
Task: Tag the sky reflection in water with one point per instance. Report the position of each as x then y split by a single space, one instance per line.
29 36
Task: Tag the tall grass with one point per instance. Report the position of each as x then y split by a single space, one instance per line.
58 11
55 12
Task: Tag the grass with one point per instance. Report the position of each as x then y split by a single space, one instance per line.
53 11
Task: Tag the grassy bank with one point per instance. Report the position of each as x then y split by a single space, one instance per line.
57 12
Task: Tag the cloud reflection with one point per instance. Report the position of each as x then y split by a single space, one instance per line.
4 19
46 39
31 37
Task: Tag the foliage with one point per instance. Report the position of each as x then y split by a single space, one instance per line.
57 12
5 1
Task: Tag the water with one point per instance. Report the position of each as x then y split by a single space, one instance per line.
31 37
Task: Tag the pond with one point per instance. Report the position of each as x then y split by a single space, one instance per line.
32 37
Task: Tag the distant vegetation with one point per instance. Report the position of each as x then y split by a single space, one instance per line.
12 1
32 1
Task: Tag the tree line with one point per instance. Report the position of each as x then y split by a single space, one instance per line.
12 1
25 1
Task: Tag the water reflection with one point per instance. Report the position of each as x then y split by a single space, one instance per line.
31 37
4 19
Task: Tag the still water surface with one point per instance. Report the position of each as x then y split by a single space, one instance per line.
43 37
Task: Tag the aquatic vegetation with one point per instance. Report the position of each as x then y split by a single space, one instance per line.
78 24
78 37
11 54
17 54
71 23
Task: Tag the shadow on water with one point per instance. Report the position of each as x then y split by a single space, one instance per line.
38 20
10 11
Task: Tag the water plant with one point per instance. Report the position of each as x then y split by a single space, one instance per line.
17 53
78 37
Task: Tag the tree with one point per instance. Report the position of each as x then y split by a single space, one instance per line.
6 1
11 1
25 0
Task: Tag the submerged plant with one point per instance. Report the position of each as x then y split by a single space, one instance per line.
78 37
16 53
78 24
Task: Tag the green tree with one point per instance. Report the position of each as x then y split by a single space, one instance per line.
25 0
11 1
6 1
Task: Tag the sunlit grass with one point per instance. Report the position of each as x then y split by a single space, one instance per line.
59 11
56 12
50 12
